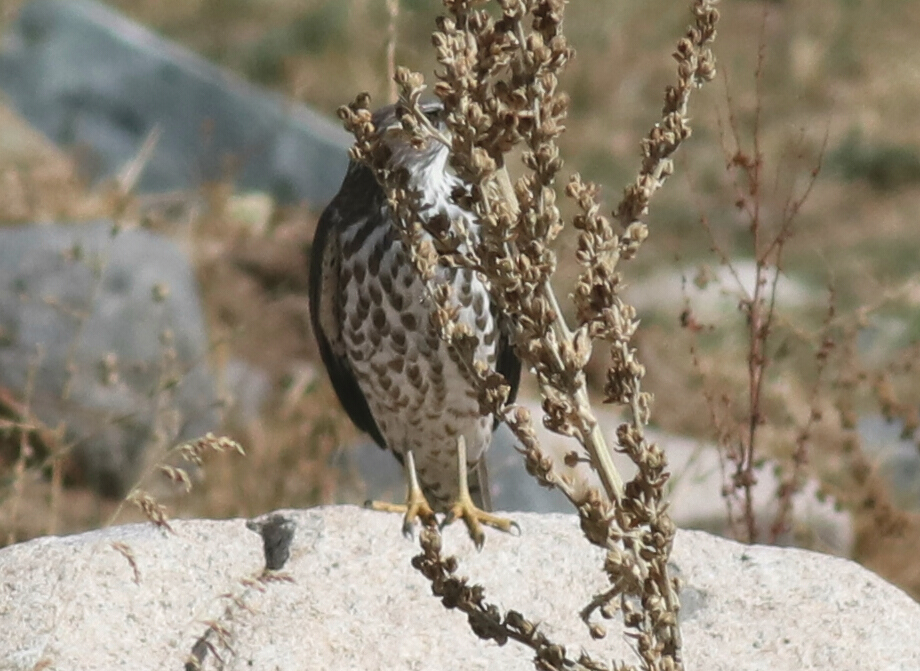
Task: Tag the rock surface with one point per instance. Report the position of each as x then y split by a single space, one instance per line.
96 82
353 602
108 331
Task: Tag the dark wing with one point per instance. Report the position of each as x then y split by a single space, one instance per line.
506 361
325 293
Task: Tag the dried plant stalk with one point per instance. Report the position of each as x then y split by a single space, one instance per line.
498 83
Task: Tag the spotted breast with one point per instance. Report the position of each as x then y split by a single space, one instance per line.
371 312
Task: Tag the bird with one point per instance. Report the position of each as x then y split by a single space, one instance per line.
370 311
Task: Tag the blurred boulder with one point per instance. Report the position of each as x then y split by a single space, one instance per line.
98 83
103 332
714 293
694 489
896 454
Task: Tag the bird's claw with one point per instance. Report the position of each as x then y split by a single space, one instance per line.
474 518
415 508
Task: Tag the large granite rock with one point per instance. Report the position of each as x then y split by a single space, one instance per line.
99 83
135 597
106 330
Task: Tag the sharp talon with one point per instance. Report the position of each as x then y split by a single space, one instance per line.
463 507
416 506
448 519
474 519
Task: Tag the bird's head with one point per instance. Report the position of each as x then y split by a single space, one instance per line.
430 156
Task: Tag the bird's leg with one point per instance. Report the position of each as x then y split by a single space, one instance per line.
464 507
416 506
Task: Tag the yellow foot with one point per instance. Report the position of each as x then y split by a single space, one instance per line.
464 508
416 506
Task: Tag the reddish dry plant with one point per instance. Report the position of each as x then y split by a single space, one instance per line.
810 428
740 444
218 635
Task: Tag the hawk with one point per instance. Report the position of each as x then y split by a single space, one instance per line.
370 309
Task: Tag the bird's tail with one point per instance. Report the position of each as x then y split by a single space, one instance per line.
479 486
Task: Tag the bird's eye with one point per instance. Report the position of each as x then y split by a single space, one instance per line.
433 114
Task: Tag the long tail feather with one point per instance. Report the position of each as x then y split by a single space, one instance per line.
479 486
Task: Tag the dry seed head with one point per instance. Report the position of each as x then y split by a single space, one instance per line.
178 476
152 510
108 369
125 551
194 450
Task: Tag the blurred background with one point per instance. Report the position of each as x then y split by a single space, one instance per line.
802 176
